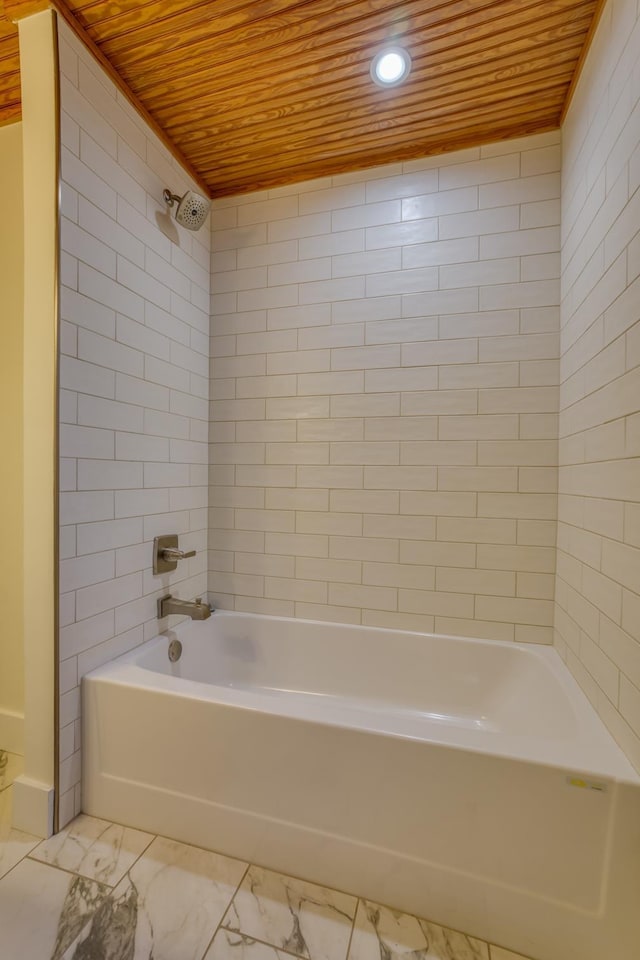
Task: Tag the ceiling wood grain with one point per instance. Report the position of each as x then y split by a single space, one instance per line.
10 107
259 94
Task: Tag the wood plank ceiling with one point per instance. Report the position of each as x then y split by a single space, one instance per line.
258 94
9 72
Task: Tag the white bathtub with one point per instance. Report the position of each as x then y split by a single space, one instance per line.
466 781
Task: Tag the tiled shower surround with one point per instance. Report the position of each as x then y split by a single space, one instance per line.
134 386
384 395
381 444
598 585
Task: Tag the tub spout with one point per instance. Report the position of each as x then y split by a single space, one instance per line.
195 609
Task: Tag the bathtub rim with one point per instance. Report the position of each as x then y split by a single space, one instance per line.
595 754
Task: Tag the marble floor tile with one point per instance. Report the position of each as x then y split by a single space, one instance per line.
43 911
299 917
5 807
94 848
499 953
99 891
229 945
167 907
11 766
14 845
384 934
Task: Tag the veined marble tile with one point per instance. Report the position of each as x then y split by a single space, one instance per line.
111 932
5 808
11 766
44 910
301 918
384 934
94 848
167 906
499 953
230 945
14 845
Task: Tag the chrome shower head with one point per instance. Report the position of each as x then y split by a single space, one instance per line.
192 209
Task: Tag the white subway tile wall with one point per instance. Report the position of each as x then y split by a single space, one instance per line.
384 395
598 582
134 377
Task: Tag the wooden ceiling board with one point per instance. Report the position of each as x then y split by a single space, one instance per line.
257 180
251 49
443 137
476 57
313 113
330 66
392 147
194 21
10 92
10 95
389 132
205 73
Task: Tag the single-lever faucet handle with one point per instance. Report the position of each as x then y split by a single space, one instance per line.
174 553
166 553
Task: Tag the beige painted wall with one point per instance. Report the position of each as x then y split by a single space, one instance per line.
11 473
33 791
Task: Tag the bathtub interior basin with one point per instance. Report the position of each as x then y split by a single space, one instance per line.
424 686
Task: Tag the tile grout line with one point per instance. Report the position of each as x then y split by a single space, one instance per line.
353 927
226 910
70 873
153 837
265 943
255 939
76 873
11 869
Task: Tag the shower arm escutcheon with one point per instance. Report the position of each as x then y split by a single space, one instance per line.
166 553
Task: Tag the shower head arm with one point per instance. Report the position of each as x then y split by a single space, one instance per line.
170 198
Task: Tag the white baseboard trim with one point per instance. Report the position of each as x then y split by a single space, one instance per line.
11 731
33 806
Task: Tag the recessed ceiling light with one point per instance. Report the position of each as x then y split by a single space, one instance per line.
390 67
